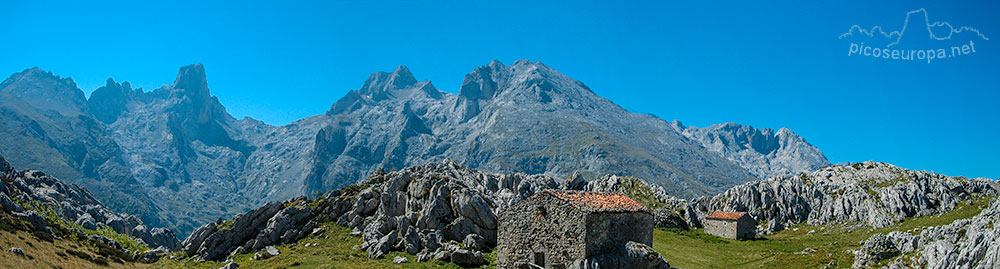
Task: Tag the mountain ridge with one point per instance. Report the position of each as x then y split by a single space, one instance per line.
524 117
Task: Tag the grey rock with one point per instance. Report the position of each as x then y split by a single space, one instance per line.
9 205
412 241
271 251
248 230
36 220
873 250
443 202
873 194
382 246
575 182
288 225
475 242
424 255
400 259
153 255
107 241
441 254
467 258
18 251
964 243
259 256
230 265
88 222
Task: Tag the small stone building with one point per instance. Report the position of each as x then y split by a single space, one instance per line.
553 229
732 225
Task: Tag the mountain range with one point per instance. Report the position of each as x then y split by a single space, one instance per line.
176 158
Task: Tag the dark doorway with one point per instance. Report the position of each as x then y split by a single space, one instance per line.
540 259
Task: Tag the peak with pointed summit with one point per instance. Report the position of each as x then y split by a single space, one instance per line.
191 81
400 83
400 78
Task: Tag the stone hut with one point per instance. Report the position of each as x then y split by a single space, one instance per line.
732 225
554 229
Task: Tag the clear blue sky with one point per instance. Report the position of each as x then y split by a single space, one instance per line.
764 64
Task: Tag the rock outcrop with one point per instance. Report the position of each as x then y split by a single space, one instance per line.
870 193
427 210
965 243
73 203
272 224
874 194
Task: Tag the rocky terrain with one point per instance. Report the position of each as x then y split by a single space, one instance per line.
445 211
423 210
870 193
440 211
128 145
965 243
53 210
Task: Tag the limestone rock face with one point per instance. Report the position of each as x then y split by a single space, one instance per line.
430 205
874 194
873 250
763 152
73 203
423 210
965 243
272 224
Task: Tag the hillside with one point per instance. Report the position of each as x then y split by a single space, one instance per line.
46 222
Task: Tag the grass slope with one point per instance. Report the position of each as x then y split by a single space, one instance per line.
53 254
832 244
335 250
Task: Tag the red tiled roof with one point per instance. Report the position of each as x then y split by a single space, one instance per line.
726 215
599 202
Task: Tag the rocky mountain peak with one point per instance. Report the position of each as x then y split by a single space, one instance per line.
46 91
109 101
195 100
480 83
532 80
763 151
400 83
401 77
495 64
191 81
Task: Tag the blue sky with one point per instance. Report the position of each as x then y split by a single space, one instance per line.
767 64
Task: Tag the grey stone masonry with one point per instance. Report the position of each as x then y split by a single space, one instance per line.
553 229
731 225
